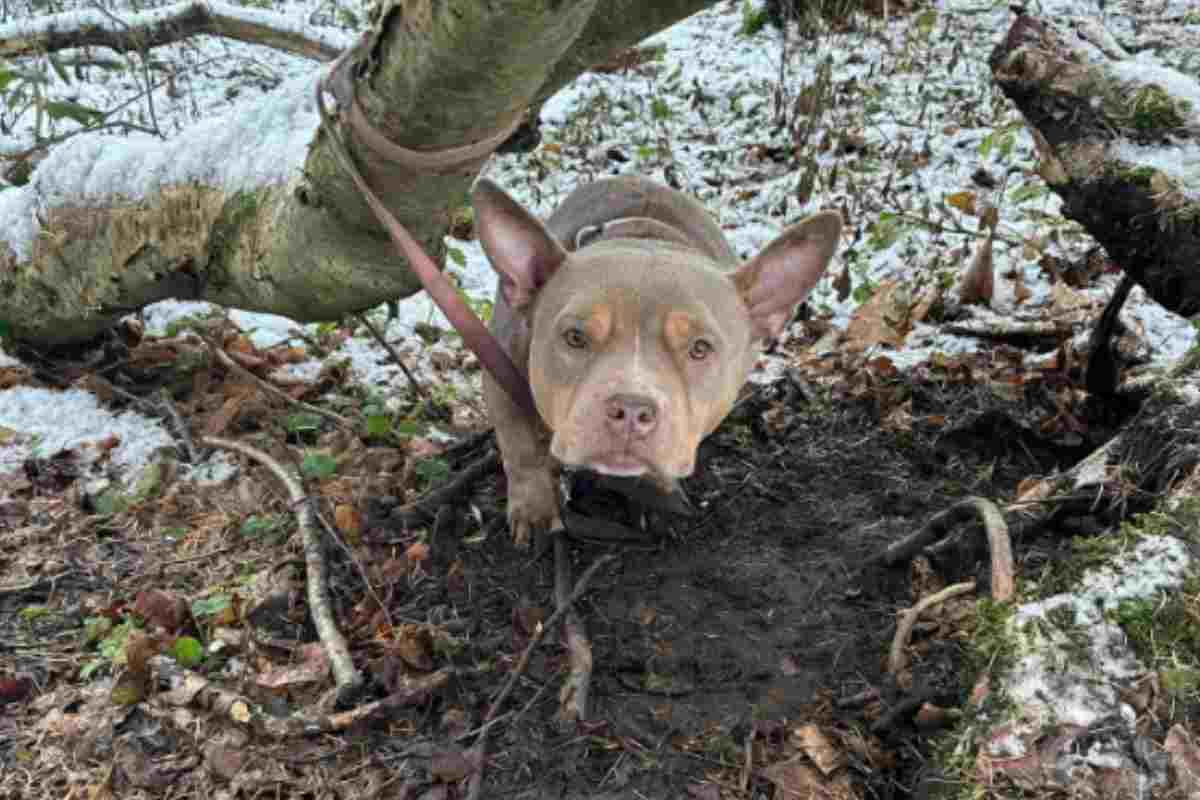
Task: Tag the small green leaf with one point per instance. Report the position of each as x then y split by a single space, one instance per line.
456 256
302 422
210 606
432 470
318 465
66 109
187 651
378 425
409 428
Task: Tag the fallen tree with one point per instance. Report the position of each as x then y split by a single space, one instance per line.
252 211
1119 141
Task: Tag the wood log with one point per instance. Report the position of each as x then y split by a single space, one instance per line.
1119 141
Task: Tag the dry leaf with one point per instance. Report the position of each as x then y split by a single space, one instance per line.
819 748
978 283
1185 760
349 521
963 201
873 322
312 668
1021 292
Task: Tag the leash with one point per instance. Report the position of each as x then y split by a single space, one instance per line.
474 333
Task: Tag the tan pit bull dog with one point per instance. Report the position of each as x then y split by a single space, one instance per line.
636 326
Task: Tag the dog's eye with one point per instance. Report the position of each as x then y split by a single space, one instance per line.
575 338
700 349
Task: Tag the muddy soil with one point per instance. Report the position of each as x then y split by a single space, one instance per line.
760 612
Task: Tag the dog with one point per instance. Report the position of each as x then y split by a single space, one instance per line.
636 326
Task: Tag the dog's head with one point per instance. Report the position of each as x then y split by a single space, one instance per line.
639 346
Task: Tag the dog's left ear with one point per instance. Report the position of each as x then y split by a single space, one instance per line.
779 278
521 250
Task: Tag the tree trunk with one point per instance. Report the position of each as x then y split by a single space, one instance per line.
1116 138
95 235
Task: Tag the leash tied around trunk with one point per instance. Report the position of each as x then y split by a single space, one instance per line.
339 82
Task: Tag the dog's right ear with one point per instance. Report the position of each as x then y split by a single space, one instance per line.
521 250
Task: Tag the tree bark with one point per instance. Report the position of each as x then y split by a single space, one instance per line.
429 75
1117 140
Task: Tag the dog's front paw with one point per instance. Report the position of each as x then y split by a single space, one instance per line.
532 504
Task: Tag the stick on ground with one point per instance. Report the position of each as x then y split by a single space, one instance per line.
347 677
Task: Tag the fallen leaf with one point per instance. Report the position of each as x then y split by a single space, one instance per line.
451 766
162 609
978 283
1185 760
820 750
313 667
963 201
349 521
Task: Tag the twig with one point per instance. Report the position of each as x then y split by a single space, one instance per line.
386 345
573 697
181 428
565 604
233 366
898 658
425 507
333 533
347 677
35 584
995 528
203 556
192 689
959 230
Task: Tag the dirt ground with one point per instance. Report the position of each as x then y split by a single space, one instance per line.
715 636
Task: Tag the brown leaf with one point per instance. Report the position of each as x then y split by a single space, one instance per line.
795 780
451 766
163 609
819 748
349 521
1021 293
874 322
1185 760
415 645
978 283
218 422
15 689
842 284
313 667
963 201
417 552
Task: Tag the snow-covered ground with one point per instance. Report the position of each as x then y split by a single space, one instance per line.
913 96
914 118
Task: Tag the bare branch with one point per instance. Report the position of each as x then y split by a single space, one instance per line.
166 25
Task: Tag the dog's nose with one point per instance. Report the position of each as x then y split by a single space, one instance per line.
631 415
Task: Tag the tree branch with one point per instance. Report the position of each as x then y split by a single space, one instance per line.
165 25
1116 139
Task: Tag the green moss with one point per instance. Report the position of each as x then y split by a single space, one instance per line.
1162 631
239 209
1153 110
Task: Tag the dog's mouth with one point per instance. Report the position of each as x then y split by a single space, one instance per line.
623 465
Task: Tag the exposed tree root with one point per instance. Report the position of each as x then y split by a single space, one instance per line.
995 528
898 657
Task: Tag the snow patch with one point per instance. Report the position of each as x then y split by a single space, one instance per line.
48 421
1070 675
259 142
